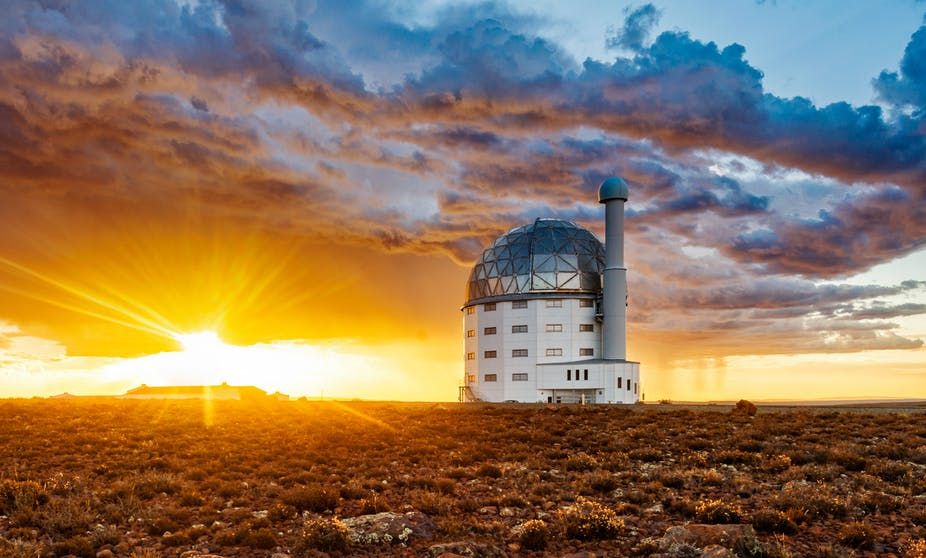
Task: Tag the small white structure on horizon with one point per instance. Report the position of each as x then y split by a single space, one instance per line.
545 314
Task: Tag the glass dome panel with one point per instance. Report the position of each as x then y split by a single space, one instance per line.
549 255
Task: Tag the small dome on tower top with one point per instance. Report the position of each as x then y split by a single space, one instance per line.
614 188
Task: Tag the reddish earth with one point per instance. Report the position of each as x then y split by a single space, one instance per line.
127 478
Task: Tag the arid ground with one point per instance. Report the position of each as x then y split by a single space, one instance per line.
100 477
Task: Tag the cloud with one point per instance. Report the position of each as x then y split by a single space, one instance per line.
353 125
638 24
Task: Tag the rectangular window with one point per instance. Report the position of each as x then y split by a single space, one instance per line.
471 378
586 303
635 387
519 352
519 328
554 328
586 327
628 384
470 356
519 377
471 333
585 374
585 351
569 374
470 309
557 303
519 304
490 377
489 307
554 352
489 331
491 354
620 383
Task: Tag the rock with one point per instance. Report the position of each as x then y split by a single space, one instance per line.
389 527
488 510
717 551
582 554
466 549
654 509
739 538
190 554
506 512
280 555
104 554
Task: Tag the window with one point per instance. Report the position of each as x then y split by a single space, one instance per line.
519 304
471 378
569 374
470 309
620 383
519 328
586 327
585 374
586 303
554 352
585 351
471 333
489 307
628 384
491 354
519 352
519 377
558 303
490 377
470 356
554 328
489 331
635 387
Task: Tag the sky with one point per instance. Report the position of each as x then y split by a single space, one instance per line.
290 194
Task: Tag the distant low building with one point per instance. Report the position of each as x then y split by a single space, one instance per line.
220 392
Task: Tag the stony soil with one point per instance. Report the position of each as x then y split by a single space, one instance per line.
144 479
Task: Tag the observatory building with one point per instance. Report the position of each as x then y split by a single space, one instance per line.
546 312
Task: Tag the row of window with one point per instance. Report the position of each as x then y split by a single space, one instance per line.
569 374
550 303
620 382
551 352
516 377
522 328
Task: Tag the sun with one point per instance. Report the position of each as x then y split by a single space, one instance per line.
201 342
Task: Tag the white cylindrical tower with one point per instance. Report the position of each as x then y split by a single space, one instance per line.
613 194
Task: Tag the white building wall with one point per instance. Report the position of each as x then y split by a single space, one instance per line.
536 340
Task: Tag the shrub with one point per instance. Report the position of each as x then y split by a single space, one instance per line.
489 470
744 407
532 534
581 462
773 521
915 549
16 495
262 538
890 471
587 520
328 535
310 498
857 535
602 482
717 511
77 546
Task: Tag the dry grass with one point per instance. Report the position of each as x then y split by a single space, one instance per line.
149 479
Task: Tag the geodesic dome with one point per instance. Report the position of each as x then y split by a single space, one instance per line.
547 256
